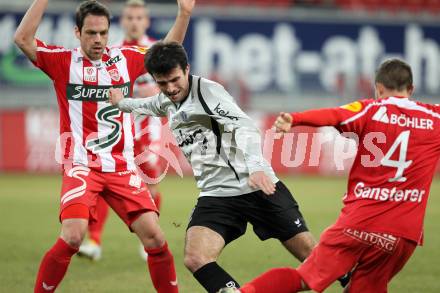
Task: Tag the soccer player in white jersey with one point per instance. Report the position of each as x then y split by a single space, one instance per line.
223 146
135 21
96 138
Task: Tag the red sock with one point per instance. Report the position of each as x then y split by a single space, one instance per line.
53 267
162 271
278 280
95 228
158 200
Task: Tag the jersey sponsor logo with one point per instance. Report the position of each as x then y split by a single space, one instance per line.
189 139
113 60
224 113
385 242
414 122
94 93
353 107
114 74
402 120
90 74
107 115
388 194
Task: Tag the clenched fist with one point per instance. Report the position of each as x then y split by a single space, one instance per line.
115 96
283 123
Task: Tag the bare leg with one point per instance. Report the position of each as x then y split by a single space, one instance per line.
202 248
148 230
300 245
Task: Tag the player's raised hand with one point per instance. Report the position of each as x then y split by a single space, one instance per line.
186 6
283 123
260 180
115 96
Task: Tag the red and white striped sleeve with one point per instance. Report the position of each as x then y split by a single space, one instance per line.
347 118
53 60
135 60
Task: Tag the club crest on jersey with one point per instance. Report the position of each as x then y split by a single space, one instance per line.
90 74
114 74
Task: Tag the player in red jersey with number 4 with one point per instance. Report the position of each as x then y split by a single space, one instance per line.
135 21
381 222
96 138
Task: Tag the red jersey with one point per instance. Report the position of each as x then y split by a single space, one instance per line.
389 182
93 133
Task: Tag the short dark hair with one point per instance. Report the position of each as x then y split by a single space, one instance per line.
91 7
395 74
163 57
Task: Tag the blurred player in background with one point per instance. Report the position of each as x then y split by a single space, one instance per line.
135 21
97 139
381 222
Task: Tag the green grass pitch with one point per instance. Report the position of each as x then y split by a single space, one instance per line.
29 226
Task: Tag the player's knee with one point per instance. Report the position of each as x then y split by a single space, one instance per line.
73 238
152 239
73 231
194 261
301 245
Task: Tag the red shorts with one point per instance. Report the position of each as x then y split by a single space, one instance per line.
376 257
124 192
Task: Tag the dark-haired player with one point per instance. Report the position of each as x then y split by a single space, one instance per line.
223 145
135 21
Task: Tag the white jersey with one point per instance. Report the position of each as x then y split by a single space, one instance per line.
218 139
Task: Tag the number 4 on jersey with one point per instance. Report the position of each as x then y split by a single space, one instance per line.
401 164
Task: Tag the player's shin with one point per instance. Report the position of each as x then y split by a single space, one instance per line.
162 271
53 267
278 280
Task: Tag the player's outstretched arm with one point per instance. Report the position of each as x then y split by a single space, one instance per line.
115 96
145 106
25 34
178 31
319 117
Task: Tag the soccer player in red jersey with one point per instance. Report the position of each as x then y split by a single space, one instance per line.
96 138
381 222
135 21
